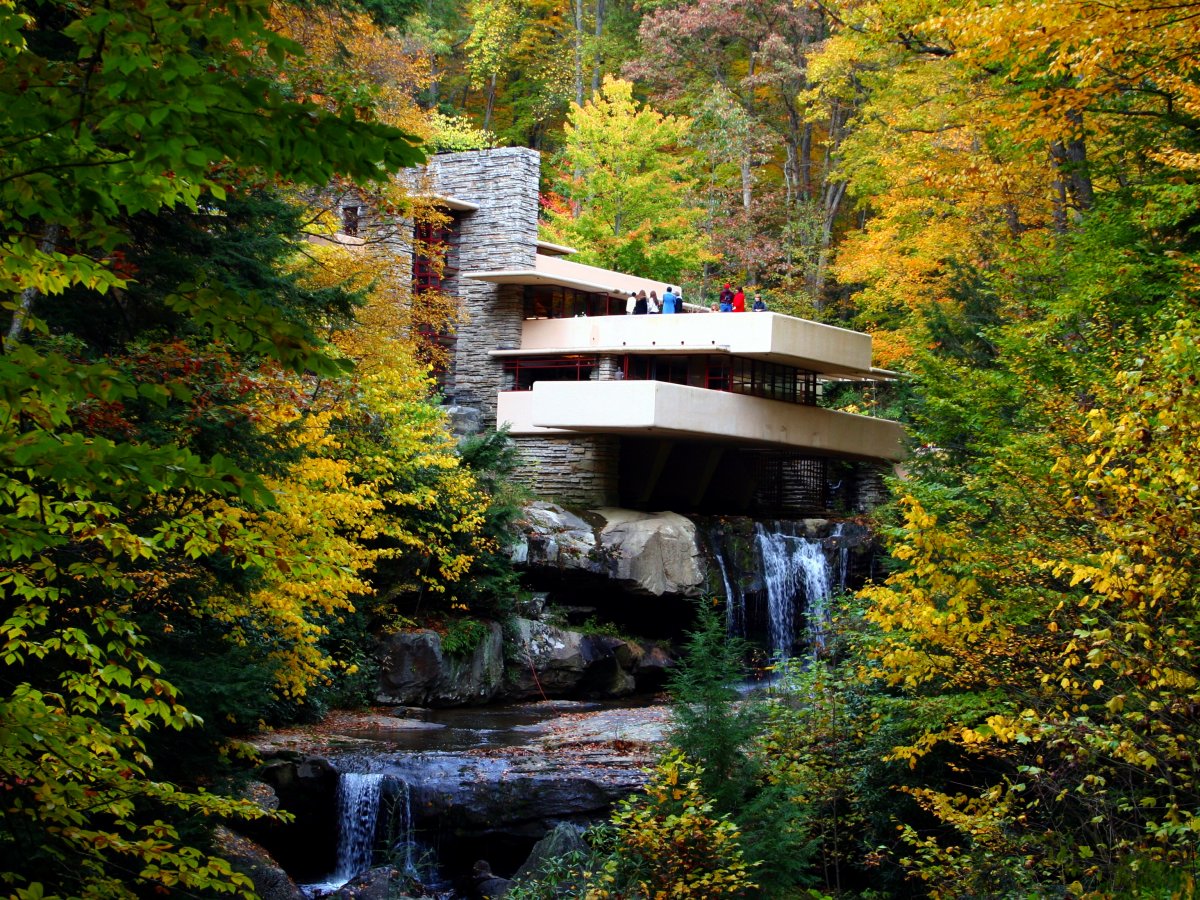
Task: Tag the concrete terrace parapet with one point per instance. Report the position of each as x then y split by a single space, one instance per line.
661 409
778 338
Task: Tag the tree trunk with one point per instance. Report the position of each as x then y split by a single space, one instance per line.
835 192
1059 201
1070 160
577 47
1081 176
25 303
598 59
434 81
805 162
491 102
1012 218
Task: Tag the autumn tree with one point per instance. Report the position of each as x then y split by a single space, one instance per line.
1039 259
157 117
632 209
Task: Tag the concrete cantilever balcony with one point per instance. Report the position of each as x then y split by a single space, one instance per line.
661 409
769 336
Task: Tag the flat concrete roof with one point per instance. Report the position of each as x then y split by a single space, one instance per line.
555 249
553 270
453 203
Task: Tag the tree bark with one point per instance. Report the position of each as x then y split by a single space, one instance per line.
1070 160
25 303
598 32
577 47
491 102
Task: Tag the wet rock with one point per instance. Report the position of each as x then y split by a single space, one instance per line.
653 666
253 861
575 765
485 884
560 855
545 660
515 793
415 671
373 884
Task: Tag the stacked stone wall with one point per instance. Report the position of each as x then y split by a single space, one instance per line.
579 471
500 235
871 489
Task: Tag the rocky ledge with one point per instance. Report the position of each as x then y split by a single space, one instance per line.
571 767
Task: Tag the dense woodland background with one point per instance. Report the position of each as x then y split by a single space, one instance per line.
221 469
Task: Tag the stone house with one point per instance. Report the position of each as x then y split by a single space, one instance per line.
701 412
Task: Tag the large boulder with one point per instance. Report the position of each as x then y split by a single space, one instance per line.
415 671
554 538
545 660
648 553
653 553
559 857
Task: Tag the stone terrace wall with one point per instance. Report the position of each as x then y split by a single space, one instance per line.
580 470
501 234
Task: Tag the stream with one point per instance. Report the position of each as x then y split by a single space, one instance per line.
429 791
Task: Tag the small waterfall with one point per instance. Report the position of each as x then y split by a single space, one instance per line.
404 841
358 808
842 546
735 603
792 565
817 589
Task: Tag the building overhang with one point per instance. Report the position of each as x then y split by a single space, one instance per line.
660 409
871 376
453 203
534 277
555 249
558 272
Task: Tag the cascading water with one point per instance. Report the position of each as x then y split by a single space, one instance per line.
404 841
358 809
842 545
735 603
791 565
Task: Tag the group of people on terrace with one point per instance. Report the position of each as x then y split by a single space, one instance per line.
641 303
735 301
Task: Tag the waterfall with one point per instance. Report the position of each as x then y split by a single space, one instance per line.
404 841
791 565
843 549
358 808
735 603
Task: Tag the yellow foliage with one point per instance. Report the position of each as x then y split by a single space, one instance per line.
348 58
669 844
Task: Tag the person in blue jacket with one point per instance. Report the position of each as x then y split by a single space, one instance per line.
669 300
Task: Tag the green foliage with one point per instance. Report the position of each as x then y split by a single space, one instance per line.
669 843
462 636
492 582
711 729
454 134
133 473
627 179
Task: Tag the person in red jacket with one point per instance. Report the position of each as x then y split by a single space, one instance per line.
739 300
